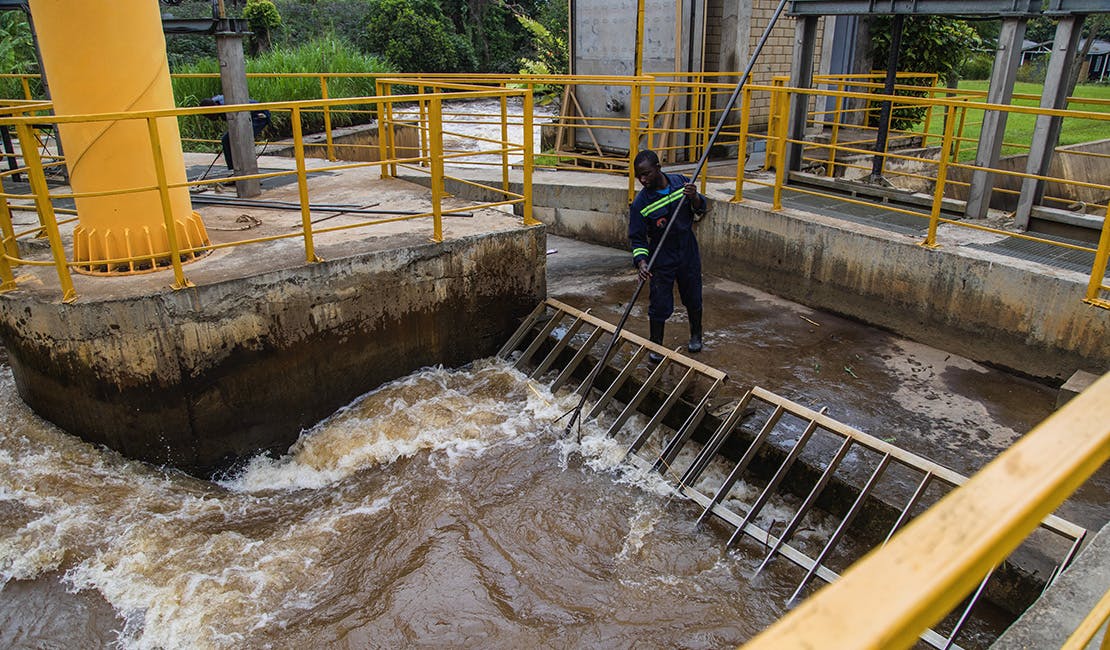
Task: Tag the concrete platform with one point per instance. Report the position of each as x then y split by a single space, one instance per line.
288 343
265 345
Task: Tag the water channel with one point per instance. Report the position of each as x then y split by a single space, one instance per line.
443 509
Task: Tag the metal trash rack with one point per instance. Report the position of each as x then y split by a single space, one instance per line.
566 325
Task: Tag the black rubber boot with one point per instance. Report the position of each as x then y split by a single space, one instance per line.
656 336
695 332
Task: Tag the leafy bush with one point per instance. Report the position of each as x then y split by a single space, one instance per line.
17 54
415 36
264 20
931 44
551 58
325 54
491 30
1033 71
977 67
306 21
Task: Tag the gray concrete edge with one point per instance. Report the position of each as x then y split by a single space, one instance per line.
965 300
1064 605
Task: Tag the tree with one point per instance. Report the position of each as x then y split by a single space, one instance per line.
264 20
17 52
415 36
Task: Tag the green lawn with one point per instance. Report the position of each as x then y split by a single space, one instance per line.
1019 127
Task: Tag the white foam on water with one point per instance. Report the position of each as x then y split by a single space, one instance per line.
459 413
179 559
640 526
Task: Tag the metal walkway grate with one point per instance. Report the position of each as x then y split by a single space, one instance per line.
790 454
1033 251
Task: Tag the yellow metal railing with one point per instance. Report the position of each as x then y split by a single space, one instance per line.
927 171
430 160
674 114
898 591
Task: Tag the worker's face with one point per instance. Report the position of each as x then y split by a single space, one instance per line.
649 174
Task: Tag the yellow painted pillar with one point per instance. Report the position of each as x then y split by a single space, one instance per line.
109 56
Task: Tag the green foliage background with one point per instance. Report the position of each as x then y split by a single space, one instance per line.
327 53
932 44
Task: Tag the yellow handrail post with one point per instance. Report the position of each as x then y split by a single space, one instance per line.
830 169
1098 270
391 145
7 230
26 88
29 146
423 131
327 118
380 90
780 147
435 127
7 279
706 128
960 131
742 143
302 186
529 147
505 143
8 245
633 135
180 281
942 177
649 135
928 114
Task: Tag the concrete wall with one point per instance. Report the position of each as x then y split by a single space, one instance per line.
1068 162
991 308
194 378
358 142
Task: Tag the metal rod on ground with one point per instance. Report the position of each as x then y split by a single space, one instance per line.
214 159
576 412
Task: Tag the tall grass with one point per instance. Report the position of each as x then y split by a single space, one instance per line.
327 54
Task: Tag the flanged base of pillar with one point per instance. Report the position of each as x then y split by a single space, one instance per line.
130 251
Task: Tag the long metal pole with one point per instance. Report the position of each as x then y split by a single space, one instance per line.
576 412
888 89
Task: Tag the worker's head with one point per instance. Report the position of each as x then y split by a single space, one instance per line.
208 101
648 172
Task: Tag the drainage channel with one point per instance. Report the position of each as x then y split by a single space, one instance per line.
775 450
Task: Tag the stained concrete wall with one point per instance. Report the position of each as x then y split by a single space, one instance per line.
1068 162
995 309
196 377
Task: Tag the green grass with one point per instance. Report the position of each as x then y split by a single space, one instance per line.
322 55
1019 127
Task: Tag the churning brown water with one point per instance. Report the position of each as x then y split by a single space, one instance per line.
440 510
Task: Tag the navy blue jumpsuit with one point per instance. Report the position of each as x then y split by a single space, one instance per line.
678 259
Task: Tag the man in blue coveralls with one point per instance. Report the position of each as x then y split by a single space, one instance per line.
260 119
678 259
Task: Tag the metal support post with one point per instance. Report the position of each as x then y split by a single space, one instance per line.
233 80
801 76
1001 89
1046 133
881 137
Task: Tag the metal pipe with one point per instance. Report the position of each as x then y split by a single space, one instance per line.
896 25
